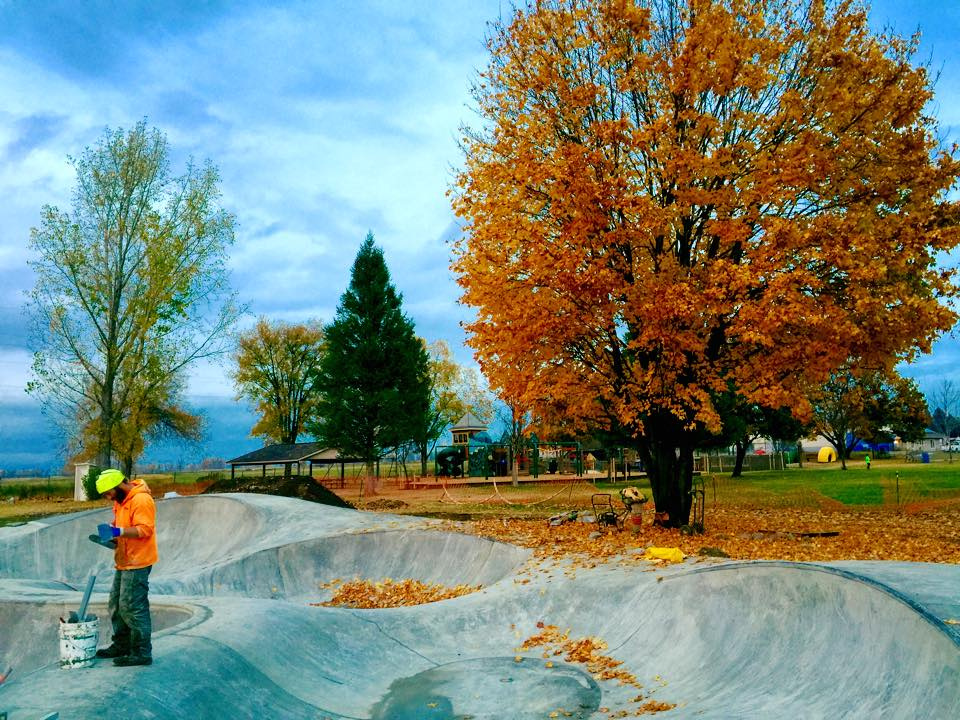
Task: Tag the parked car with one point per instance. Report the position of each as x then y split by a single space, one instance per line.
954 445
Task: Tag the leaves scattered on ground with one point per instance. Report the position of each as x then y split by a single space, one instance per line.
389 593
587 651
751 534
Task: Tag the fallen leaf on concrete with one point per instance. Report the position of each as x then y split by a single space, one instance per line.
386 593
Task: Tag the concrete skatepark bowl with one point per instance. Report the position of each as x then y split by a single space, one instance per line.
236 636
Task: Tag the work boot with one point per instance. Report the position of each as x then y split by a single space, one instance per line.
129 660
111 652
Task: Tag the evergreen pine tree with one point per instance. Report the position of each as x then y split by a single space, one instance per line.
373 381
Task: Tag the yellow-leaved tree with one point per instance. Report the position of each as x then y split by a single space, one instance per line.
667 201
275 367
132 288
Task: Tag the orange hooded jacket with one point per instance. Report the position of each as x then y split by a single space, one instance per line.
137 510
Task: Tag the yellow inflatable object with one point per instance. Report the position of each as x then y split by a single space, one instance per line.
668 554
827 455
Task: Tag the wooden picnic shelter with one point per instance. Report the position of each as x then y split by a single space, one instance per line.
289 454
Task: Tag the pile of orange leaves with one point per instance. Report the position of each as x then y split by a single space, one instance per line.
586 651
817 535
386 593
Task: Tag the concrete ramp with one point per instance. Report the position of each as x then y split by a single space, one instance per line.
766 640
237 637
28 639
258 546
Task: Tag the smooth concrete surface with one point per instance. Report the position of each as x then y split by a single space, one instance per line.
237 637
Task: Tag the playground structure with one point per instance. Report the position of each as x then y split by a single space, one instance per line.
481 459
474 454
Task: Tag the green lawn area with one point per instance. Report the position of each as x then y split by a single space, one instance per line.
36 487
854 491
886 483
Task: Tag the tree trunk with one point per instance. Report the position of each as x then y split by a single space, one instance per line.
105 444
423 459
103 456
670 469
514 469
741 456
370 479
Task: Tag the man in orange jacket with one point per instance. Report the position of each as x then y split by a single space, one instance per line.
134 530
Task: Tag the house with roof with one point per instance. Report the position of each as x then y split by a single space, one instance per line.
932 440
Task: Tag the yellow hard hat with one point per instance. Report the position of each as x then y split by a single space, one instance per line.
109 479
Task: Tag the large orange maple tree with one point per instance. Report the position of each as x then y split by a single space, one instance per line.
666 200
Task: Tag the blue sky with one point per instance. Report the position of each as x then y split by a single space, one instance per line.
326 120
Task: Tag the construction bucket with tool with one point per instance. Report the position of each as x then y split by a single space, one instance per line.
78 642
79 634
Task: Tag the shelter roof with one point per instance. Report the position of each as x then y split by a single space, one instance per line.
286 453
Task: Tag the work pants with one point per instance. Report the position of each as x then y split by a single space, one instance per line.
130 612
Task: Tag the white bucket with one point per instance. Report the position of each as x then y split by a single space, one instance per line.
78 643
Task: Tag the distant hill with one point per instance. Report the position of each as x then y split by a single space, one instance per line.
29 441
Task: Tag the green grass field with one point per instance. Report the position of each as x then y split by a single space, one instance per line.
55 486
886 483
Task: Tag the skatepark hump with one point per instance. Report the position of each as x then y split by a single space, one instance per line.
237 633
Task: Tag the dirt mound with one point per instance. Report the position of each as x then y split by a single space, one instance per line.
385 504
298 486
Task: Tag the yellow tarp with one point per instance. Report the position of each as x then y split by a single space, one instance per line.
668 554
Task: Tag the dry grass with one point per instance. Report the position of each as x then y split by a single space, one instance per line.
21 509
33 508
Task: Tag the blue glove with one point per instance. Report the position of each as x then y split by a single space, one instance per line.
107 532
